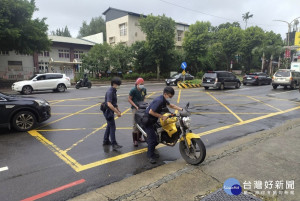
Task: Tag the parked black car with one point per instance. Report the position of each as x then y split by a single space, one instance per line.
257 78
22 113
178 77
220 80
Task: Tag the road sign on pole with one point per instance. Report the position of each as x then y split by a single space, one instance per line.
183 65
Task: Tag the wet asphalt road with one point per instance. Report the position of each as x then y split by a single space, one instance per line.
65 153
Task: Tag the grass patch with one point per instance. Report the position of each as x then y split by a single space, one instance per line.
195 81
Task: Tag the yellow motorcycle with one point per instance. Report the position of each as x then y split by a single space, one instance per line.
177 128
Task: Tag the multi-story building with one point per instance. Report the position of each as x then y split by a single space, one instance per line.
123 27
64 57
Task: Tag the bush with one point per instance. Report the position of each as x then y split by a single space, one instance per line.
200 74
195 81
134 76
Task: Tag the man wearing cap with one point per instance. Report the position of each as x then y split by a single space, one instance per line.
137 94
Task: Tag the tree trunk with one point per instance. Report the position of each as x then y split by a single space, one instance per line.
263 62
157 70
271 66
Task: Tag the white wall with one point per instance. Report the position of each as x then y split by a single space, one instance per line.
27 64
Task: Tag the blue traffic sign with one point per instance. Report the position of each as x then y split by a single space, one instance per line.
183 65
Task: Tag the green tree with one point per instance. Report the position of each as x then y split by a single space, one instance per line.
141 58
63 32
195 44
246 17
18 31
120 57
230 39
272 47
160 34
253 37
95 26
97 59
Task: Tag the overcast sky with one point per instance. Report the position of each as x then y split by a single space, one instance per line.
72 13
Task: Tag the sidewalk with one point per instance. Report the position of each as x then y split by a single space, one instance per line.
271 155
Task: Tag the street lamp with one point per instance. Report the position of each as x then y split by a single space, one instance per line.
289 30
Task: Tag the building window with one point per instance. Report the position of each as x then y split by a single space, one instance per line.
4 53
44 54
179 35
64 53
77 54
123 29
111 40
15 66
43 67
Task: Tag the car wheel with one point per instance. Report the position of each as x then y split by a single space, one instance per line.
175 83
61 88
222 87
238 85
206 88
23 121
293 85
27 90
274 86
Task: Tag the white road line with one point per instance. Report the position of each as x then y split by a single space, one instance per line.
3 169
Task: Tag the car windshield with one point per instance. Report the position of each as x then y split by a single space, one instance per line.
211 75
282 74
176 75
32 77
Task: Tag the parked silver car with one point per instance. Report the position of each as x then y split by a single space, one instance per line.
285 78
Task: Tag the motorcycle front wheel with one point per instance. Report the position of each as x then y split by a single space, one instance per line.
195 154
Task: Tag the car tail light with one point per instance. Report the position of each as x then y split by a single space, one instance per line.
255 77
67 78
291 78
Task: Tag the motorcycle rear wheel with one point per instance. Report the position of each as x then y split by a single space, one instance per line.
195 154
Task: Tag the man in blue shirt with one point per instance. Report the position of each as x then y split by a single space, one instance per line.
112 107
154 111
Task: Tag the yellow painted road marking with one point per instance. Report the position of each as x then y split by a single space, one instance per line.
230 113
77 129
247 121
264 103
57 151
96 130
78 167
178 100
225 107
72 114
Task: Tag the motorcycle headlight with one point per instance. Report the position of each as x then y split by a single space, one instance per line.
41 102
186 121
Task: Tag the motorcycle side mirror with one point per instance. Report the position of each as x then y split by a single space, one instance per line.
187 105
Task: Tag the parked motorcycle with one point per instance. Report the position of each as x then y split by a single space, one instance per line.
176 127
80 83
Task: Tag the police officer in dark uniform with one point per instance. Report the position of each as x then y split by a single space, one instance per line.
111 102
154 112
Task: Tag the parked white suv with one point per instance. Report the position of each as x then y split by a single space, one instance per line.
48 81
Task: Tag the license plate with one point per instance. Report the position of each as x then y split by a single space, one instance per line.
249 78
207 80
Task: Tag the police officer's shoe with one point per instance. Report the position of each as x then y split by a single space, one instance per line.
155 155
116 146
106 142
152 160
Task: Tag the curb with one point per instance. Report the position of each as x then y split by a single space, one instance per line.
186 86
